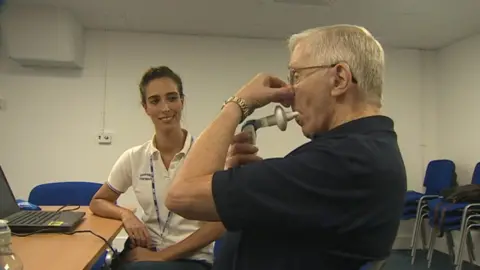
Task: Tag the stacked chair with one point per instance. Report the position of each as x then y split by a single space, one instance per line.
470 222
440 175
446 217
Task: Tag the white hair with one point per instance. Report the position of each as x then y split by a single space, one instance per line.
351 44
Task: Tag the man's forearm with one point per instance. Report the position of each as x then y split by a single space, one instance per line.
201 238
190 194
209 152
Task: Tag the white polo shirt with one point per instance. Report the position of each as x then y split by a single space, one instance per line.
134 169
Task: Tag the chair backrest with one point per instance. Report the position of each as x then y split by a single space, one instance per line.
64 193
476 174
440 174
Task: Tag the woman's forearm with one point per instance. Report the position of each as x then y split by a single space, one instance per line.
107 209
201 238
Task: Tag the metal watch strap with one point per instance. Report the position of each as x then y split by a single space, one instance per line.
242 104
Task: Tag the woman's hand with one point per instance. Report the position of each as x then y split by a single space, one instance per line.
136 229
241 151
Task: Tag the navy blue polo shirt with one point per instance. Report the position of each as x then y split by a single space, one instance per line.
332 203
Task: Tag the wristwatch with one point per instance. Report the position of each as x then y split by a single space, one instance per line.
246 111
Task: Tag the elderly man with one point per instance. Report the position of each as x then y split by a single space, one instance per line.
333 203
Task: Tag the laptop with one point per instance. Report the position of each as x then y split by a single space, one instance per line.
25 221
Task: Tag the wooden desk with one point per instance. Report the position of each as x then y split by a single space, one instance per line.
67 252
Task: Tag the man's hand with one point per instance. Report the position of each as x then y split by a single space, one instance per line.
241 151
264 89
140 254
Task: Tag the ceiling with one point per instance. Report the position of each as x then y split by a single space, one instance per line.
425 24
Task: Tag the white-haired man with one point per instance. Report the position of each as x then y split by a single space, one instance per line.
333 203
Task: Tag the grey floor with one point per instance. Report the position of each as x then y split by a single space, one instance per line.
400 260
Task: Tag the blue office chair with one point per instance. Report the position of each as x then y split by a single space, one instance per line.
440 174
64 193
457 215
217 246
470 221
67 193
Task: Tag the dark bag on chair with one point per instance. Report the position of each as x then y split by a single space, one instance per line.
447 191
459 194
438 218
462 194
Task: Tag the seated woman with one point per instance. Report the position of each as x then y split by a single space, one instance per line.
162 240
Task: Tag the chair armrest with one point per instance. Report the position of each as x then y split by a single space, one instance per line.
474 225
474 216
476 207
421 202
429 197
465 214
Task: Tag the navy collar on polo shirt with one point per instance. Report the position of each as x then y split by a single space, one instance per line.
361 125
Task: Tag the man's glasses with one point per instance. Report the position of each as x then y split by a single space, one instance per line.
293 77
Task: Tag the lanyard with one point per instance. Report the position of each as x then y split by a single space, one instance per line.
155 201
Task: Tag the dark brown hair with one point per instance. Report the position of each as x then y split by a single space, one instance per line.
157 73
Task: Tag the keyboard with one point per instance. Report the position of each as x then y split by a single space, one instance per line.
34 217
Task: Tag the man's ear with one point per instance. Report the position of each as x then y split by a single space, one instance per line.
343 78
144 105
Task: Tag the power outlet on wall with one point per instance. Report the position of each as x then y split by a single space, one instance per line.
104 137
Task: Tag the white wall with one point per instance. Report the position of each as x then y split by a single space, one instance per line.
458 110
458 105
48 128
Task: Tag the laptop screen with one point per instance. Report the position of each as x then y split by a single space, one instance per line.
8 205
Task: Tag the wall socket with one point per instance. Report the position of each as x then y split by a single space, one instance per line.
104 137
